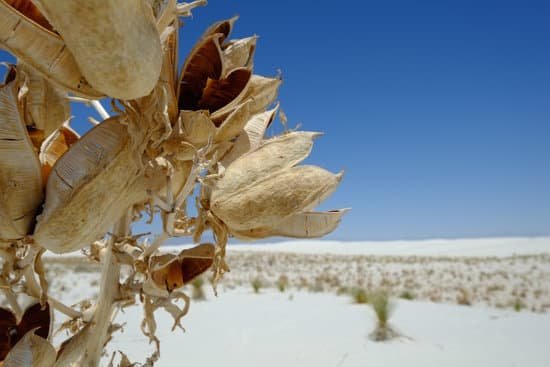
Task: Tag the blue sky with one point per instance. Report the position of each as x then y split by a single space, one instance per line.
438 111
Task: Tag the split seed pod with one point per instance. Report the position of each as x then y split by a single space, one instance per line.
25 33
35 320
114 42
262 188
171 272
20 174
89 188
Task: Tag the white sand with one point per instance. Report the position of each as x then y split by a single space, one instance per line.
243 329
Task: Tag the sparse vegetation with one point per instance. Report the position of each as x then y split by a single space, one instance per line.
256 284
380 302
408 295
282 283
197 289
359 296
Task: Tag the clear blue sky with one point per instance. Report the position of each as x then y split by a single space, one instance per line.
439 111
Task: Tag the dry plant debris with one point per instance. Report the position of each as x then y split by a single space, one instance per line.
173 132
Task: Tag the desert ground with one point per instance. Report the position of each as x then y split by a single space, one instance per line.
483 302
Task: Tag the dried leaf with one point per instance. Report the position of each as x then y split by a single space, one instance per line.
274 198
114 42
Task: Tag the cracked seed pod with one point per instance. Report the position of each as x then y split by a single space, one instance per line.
31 351
28 35
114 42
262 189
171 272
20 174
275 198
301 225
88 188
47 107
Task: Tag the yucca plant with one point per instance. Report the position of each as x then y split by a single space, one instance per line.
173 131
383 308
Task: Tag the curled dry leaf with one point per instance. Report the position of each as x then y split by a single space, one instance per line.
22 34
114 42
20 174
171 272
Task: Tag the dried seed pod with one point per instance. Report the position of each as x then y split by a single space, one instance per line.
47 106
219 93
171 272
89 188
222 27
204 63
114 42
31 351
251 137
22 34
301 225
20 174
239 53
234 124
35 321
274 198
274 155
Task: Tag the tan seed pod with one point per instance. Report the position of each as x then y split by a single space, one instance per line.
197 127
20 175
227 91
234 124
274 155
47 106
171 272
114 42
240 53
90 188
22 34
301 225
251 137
273 199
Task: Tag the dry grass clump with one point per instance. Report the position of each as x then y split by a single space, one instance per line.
282 283
256 284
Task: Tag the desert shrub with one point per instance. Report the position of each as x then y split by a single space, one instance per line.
380 302
197 291
282 283
359 296
408 295
256 284
518 305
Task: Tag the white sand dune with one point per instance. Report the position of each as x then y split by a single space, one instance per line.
477 247
244 329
